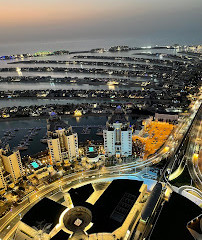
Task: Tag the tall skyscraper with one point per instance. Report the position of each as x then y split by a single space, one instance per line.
62 142
118 135
12 163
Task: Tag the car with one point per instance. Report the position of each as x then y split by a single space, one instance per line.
168 170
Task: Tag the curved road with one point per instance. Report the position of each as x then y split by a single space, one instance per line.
65 183
8 222
190 188
193 152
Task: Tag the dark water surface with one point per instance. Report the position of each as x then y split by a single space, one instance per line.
36 145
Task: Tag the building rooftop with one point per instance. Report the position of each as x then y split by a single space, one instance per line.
61 235
54 123
111 209
7 153
81 194
172 222
92 152
152 201
196 224
44 212
118 116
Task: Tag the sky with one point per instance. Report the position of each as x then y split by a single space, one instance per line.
58 20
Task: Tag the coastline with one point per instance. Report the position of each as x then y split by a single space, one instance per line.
69 116
45 117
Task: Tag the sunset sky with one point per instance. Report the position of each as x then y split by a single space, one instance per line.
50 20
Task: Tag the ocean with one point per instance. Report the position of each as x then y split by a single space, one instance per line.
30 47
24 125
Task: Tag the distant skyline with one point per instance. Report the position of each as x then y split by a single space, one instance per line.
60 20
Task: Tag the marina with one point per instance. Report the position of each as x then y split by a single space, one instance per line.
100 120
95 81
36 130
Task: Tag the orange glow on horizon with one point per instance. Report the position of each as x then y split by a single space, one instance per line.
33 13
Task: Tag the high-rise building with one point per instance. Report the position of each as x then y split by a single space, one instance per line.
62 142
2 180
12 163
118 135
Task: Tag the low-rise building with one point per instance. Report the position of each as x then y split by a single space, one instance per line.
166 117
92 153
121 209
37 169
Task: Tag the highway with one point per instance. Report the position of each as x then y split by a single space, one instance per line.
179 170
193 151
191 189
176 156
8 222
63 184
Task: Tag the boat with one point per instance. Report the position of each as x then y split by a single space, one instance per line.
99 132
43 140
34 133
22 147
86 130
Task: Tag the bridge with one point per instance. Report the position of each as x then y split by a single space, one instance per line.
137 169
188 188
175 158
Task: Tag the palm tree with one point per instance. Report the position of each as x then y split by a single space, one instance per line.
42 228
